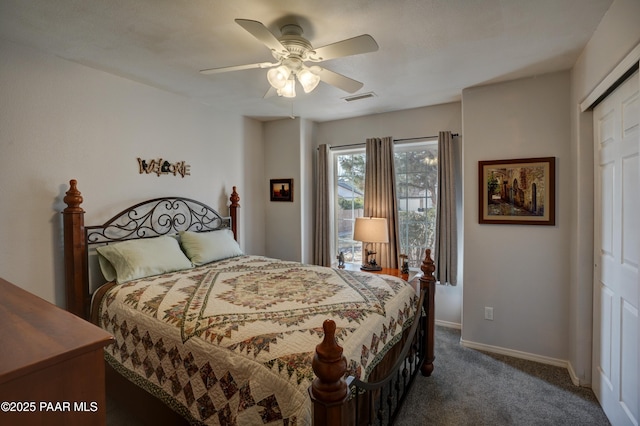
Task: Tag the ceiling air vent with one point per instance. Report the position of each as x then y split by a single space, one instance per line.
359 97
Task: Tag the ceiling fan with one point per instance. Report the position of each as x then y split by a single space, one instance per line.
291 51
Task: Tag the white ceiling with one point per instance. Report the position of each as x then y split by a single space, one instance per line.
429 49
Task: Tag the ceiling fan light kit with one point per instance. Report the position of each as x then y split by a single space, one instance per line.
308 79
289 88
291 51
283 79
278 77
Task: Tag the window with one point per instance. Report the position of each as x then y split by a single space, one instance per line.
349 189
416 186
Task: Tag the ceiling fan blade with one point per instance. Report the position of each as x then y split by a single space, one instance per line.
271 92
340 81
262 33
352 46
239 67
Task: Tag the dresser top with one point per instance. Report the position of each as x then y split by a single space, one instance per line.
35 334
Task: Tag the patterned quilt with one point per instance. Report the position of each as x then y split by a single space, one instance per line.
231 342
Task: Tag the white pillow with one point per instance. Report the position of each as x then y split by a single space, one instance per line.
142 258
205 247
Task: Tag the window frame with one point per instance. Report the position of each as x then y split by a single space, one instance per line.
429 204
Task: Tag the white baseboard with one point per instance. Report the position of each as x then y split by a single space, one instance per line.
448 324
575 379
518 354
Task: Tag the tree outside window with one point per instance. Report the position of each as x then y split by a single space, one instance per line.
417 184
350 203
417 188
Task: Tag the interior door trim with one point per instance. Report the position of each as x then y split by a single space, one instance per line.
619 74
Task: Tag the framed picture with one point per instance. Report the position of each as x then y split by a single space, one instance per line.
518 192
281 189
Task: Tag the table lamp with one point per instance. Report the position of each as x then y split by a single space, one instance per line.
370 230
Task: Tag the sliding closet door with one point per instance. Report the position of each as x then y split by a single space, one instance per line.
617 253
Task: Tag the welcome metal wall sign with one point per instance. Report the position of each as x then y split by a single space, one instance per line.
163 167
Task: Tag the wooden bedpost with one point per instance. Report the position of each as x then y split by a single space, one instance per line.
329 391
75 254
233 212
428 281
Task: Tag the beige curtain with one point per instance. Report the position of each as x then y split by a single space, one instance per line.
380 196
446 244
322 238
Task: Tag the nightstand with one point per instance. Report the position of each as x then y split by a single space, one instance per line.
394 272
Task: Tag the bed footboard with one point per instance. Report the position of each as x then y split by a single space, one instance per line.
330 392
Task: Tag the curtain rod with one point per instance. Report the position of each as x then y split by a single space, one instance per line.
394 141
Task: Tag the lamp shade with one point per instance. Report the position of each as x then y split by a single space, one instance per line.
371 230
308 79
278 76
289 89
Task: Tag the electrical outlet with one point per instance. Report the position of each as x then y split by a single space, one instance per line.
488 313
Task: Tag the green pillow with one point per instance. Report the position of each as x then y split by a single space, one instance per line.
142 258
108 271
205 247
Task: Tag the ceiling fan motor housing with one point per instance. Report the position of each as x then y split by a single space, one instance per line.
298 46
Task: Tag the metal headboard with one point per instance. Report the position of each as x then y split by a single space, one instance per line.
153 218
157 217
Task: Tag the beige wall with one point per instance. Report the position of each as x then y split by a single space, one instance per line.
283 220
518 270
426 121
61 121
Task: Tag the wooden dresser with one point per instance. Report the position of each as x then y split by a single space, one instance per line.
51 363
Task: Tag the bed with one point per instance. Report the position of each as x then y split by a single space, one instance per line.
205 334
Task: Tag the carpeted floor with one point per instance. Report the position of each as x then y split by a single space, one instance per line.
469 387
